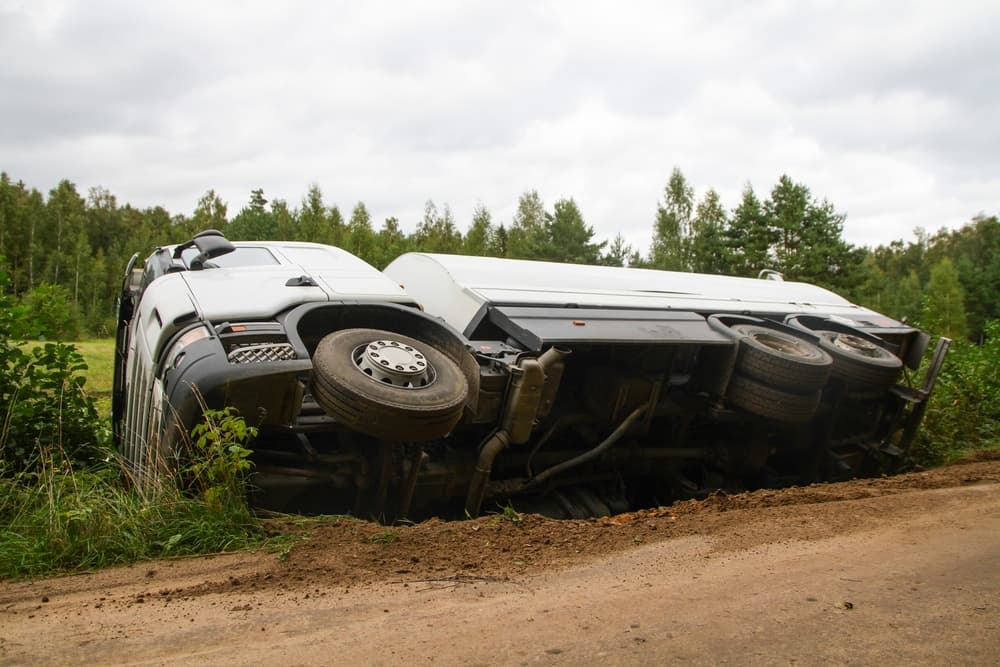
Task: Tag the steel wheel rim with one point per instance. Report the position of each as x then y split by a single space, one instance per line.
394 363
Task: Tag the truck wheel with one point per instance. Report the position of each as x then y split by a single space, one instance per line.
780 359
857 360
766 401
388 385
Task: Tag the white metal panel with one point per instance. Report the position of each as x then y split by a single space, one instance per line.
652 300
455 287
360 287
164 301
250 292
431 282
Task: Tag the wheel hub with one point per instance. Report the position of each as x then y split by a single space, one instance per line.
781 344
852 343
395 363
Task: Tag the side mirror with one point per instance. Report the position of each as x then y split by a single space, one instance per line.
211 246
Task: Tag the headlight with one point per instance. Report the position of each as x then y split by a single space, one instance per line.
176 352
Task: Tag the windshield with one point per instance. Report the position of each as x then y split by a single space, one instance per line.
241 256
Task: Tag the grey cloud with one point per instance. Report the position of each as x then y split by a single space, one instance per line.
395 103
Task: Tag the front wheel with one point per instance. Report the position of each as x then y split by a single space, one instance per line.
388 385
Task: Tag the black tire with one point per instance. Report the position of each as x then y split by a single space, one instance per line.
771 403
859 361
781 359
383 410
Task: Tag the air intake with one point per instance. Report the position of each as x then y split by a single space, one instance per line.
252 354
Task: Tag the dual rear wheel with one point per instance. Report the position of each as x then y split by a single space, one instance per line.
781 376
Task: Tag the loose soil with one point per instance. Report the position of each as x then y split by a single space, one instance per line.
898 570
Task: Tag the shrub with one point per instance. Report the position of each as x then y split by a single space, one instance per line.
51 315
220 462
964 411
43 405
46 407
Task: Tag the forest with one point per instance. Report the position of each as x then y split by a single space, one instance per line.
64 252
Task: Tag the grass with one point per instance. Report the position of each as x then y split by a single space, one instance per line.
385 537
57 516
63 520
100 356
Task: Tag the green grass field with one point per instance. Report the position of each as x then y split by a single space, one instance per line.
100 356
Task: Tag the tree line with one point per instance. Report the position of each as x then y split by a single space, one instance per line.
65 253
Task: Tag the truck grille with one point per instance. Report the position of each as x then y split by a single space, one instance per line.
252 354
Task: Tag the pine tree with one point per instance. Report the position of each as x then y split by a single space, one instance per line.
748 237
477 239
570 238
314 224
254 222
806 237
709 249
498 243
528 236
672 232
285 222
619 253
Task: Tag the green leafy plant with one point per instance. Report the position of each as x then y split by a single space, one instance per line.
63 506
221 461
509 515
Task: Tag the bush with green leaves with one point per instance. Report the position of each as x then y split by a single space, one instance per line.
220 461
47 408
44 405
50 314
964 411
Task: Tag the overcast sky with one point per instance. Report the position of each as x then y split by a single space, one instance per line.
890 110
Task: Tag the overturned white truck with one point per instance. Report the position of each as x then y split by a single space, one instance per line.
452 385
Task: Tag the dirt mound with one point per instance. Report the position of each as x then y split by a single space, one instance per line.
349 552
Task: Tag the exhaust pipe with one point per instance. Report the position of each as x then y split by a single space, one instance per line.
533 388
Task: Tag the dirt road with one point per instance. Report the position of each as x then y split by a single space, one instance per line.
903 570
